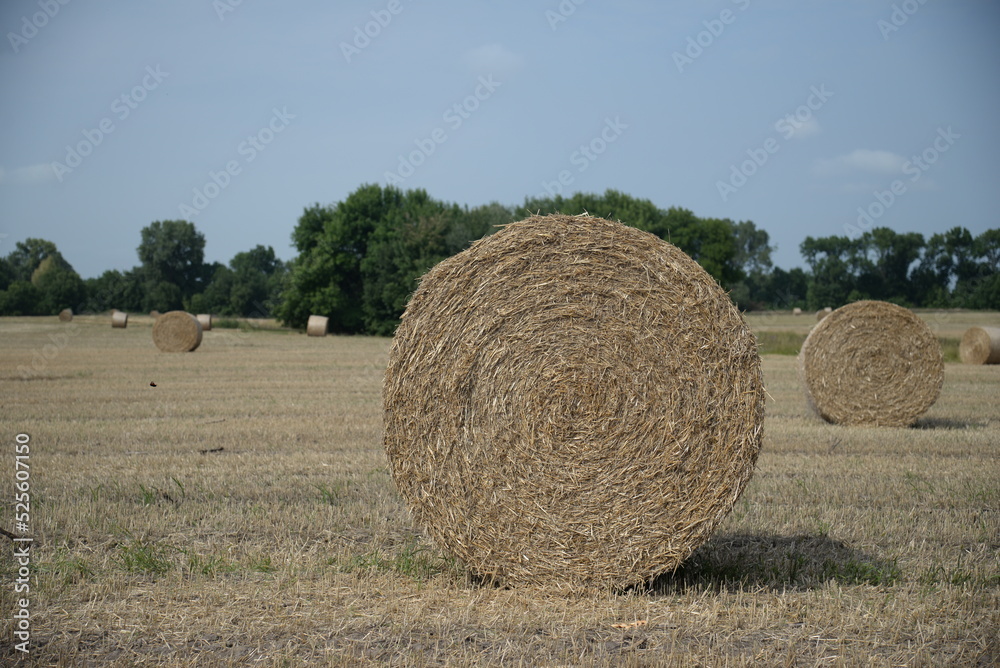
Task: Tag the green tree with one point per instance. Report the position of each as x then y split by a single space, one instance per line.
405 244
20 298
6 273
59 286
115 289
39 263
753 249
216 296
27 255
258 279
884 261
326 277
476 223
172 253
831 279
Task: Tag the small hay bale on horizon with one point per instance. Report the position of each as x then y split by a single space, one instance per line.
177 332
318 325
871 363
154 313
119 319
206 321
796 311
571 402
980 345
66 315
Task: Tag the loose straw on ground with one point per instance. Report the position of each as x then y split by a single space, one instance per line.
871 363
571 402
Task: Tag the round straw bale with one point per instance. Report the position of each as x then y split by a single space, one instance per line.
206 321
980 345
119 319
317 325
871 363
154 314
66 315
177 332
571 402
796 311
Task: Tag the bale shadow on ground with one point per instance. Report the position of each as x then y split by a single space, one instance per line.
751 562
947 423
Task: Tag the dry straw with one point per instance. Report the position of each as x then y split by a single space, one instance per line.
571 402
119 319
206 321
66 315
177 332
796 311
980 345
317 325
871 363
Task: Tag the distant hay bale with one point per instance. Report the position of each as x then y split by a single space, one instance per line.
154 314
822 313
119 319
796 311
66 315
980 345
317 325
571 402
206 321
871 363
177 332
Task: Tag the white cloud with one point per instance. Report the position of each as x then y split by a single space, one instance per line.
30 175
862 159
804 129
493 59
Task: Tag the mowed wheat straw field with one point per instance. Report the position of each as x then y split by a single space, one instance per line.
240 512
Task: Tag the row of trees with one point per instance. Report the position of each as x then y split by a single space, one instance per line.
359 260
35 279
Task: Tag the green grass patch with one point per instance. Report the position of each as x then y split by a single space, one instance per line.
780 343
949 349
142 556
414 561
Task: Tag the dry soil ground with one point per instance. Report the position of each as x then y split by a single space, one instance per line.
240 512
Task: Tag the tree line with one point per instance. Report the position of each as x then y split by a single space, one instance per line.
358 261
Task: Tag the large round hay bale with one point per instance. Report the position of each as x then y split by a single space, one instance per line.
206 321
119 319
177 332
66 315
571 401
317 325
980 345
871 363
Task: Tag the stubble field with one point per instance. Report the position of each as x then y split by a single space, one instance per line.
241 512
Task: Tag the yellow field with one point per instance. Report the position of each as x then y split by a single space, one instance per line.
240 512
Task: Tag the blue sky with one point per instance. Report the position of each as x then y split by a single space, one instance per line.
238 116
